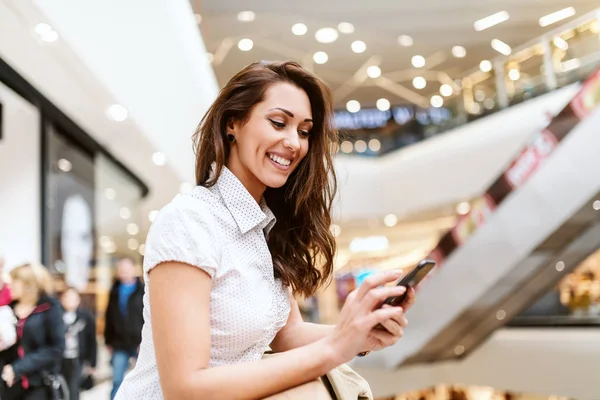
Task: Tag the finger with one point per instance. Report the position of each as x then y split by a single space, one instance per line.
410 299
378 295
376 280
380 316
391 326
386 338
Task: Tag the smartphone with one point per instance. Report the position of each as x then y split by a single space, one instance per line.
411 280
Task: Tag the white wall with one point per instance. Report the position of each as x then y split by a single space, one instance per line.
20 212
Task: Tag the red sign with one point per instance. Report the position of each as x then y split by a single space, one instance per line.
530 158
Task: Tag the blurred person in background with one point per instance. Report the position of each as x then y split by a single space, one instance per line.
80 341
37 355
5 296
124 319
224 261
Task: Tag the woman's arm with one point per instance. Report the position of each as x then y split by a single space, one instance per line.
297 333
179 300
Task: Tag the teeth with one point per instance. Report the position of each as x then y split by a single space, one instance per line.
279 160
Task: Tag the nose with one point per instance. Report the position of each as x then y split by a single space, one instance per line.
292 141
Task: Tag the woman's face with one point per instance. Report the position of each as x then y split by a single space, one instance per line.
271 144
16 289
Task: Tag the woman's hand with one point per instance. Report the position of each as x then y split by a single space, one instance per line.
361 314
8 375
390 331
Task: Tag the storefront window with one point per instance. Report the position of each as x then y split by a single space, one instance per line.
92 218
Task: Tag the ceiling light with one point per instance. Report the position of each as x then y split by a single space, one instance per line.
500 315
489 103
299 29
459 51
374 71
346 27
125 213
491 20
198 18
390 220
142 249
370 243
479 95
46 33
360 146
514 74
596 205
64 165
374 145
245 44
358 46
110 193
246 16
405 40
485 66
159 159
132 228
501 47
560 266
561 43
320 57
418 61
383 104
353 106
152 215
419 82
474 108
463 208
105 241
326 35
117 113
446 90
335 230
460 349
557 16
437 101
346 146
185 187
132 244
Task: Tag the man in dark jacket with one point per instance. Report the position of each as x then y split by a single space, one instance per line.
80 341
124 320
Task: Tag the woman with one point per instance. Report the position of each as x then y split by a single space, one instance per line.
222 273
40 335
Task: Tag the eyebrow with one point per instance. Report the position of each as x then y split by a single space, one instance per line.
289 113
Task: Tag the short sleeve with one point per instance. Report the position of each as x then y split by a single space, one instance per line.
181 233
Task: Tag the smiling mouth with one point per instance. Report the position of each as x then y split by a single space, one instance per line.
284 162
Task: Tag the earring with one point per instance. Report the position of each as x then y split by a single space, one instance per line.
231 137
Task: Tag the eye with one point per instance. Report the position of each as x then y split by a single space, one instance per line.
304 133
277 124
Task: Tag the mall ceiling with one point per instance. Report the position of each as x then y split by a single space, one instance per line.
433 26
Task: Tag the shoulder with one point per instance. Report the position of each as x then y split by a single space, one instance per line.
197 205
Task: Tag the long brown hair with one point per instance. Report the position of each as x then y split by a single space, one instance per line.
301 239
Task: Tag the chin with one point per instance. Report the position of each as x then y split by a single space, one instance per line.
274 182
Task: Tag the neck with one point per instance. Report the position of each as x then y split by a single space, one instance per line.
252 184
128 281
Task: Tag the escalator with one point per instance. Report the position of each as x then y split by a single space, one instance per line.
534 224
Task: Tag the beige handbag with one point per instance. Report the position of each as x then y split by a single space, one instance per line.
341 383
